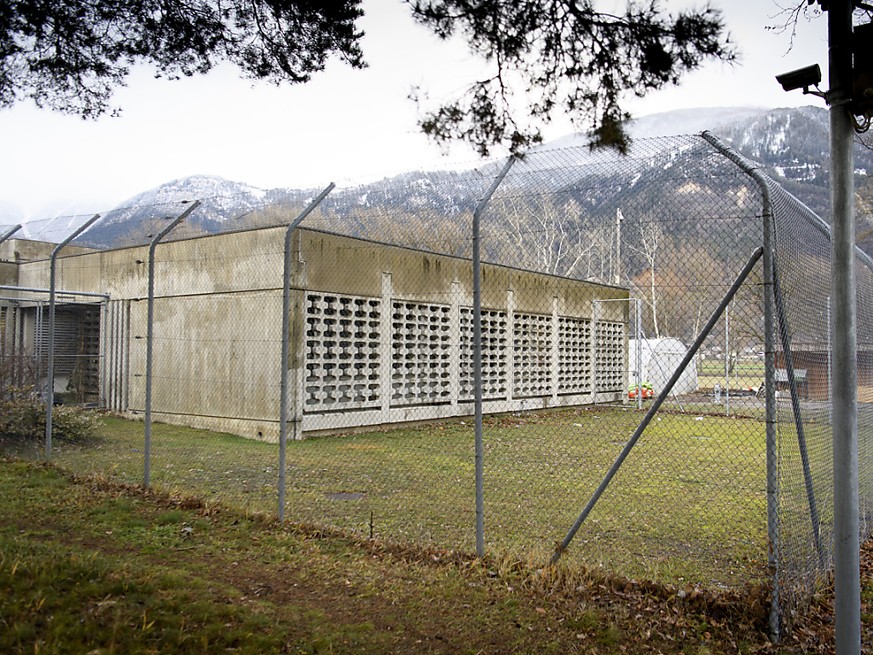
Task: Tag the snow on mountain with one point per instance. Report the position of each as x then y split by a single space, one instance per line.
792 145
224 204
214 191
199 187
692 121
673 123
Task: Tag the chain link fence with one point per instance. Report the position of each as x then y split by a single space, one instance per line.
609 407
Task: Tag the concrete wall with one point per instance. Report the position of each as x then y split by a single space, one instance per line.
8 274
28 250
402 344
544 337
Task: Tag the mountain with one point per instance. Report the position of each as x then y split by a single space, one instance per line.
672 123
226 205
790 144
793 147
223 203
692 121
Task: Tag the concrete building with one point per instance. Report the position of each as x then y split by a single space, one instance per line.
379 334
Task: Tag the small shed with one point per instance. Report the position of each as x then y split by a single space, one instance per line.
811 357
658 359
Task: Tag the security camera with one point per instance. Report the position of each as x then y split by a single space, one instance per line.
802 78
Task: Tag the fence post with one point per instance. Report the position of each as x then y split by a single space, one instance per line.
773 532
8 233
639 351
769 380
50 381
727 363
147 449
477 356
286 327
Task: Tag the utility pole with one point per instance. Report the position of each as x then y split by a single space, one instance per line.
850 71
618 219
847 583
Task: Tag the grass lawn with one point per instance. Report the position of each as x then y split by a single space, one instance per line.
687 507
747 374
91 566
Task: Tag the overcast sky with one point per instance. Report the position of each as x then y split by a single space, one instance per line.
345 125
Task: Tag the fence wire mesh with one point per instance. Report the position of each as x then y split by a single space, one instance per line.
600 271
671 226
803 273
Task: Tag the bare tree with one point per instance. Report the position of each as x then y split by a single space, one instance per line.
651 238
600 254
542 234
788 15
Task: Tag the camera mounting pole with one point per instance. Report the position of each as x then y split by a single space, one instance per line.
850 73
847 583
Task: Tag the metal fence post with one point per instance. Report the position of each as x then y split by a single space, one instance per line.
286 321
147 467
769 379
770 423
477 356
639 352
727 364
8 233
50 380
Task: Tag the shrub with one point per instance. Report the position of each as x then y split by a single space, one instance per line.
22 416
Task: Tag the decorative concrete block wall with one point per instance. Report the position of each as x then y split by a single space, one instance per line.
406 353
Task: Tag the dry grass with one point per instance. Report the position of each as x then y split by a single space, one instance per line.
89 565
688 507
